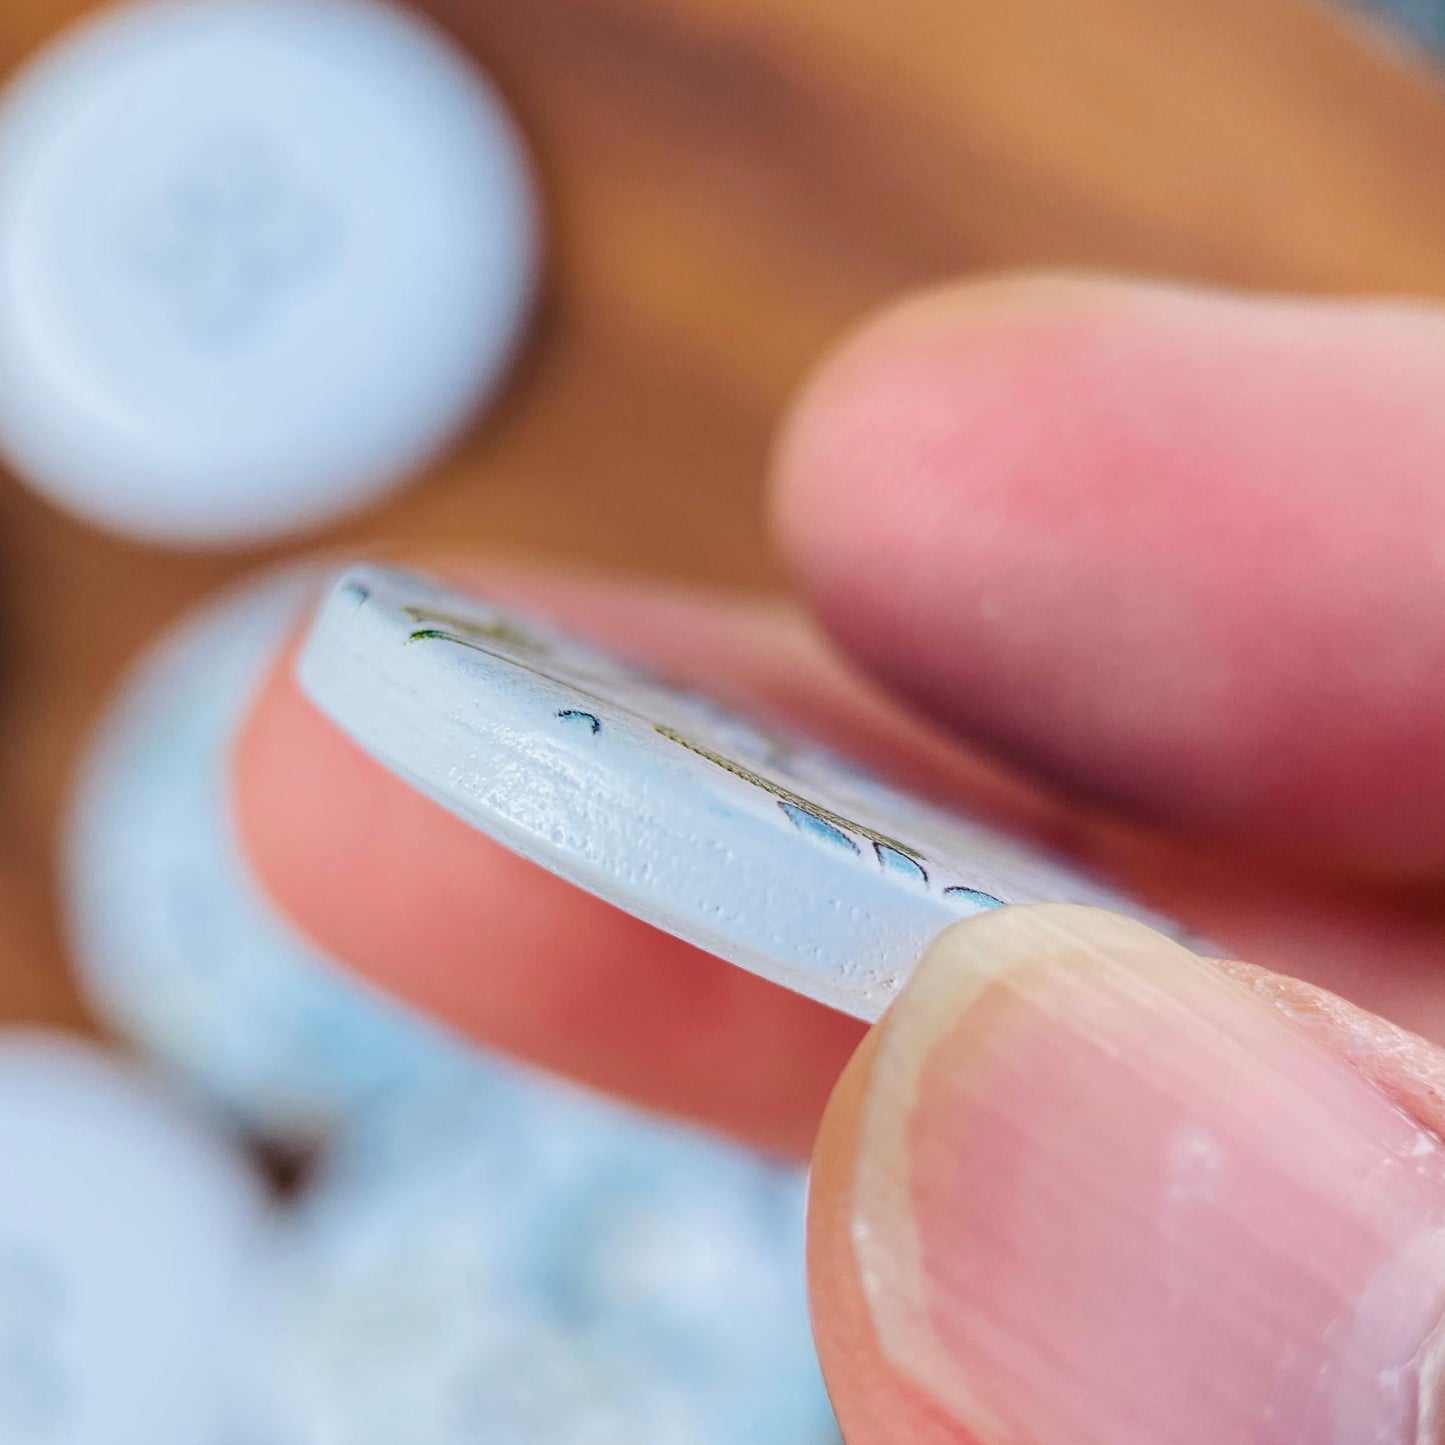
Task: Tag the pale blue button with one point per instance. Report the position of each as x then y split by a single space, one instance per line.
507 1260
132 1246
175 944
259 261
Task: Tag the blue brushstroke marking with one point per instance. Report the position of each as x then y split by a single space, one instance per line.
806 822
972 895
897 862
575 714
355 593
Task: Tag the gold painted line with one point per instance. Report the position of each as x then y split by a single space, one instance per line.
476 636
786 795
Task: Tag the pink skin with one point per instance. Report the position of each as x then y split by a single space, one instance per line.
1176 559
1138 1204
1178 553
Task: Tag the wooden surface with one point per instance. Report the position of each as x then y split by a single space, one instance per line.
731 184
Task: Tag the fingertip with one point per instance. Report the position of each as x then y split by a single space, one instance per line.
1077 1161
874 1402
1119 535
310 809
267 795
880 387
946 429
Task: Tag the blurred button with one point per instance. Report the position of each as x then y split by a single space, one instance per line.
507 1259
175 944
130 1240
259 261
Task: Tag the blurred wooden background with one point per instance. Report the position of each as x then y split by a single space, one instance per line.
731 184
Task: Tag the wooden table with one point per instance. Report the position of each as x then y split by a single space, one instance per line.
731 183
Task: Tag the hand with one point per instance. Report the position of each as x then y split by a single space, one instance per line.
1179 559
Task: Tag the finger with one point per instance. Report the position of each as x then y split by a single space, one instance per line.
1175 551
1083 1187
876 1403
393 885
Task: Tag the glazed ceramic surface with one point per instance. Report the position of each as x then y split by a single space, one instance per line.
761 848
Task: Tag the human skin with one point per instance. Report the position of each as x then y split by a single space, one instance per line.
1155 576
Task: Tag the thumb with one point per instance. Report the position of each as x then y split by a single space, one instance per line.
1084 1188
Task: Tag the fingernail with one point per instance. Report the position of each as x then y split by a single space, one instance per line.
1108 1196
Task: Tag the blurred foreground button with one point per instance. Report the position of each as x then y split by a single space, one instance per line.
259 261
508 1260
176 946
130 1240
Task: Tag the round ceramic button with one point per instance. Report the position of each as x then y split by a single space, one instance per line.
754 844
176 945
130 1240
259 260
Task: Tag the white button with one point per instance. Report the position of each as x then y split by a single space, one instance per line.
176 945
130 1241
259 260
759 846
509 1260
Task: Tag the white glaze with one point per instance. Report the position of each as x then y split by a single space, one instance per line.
766 851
